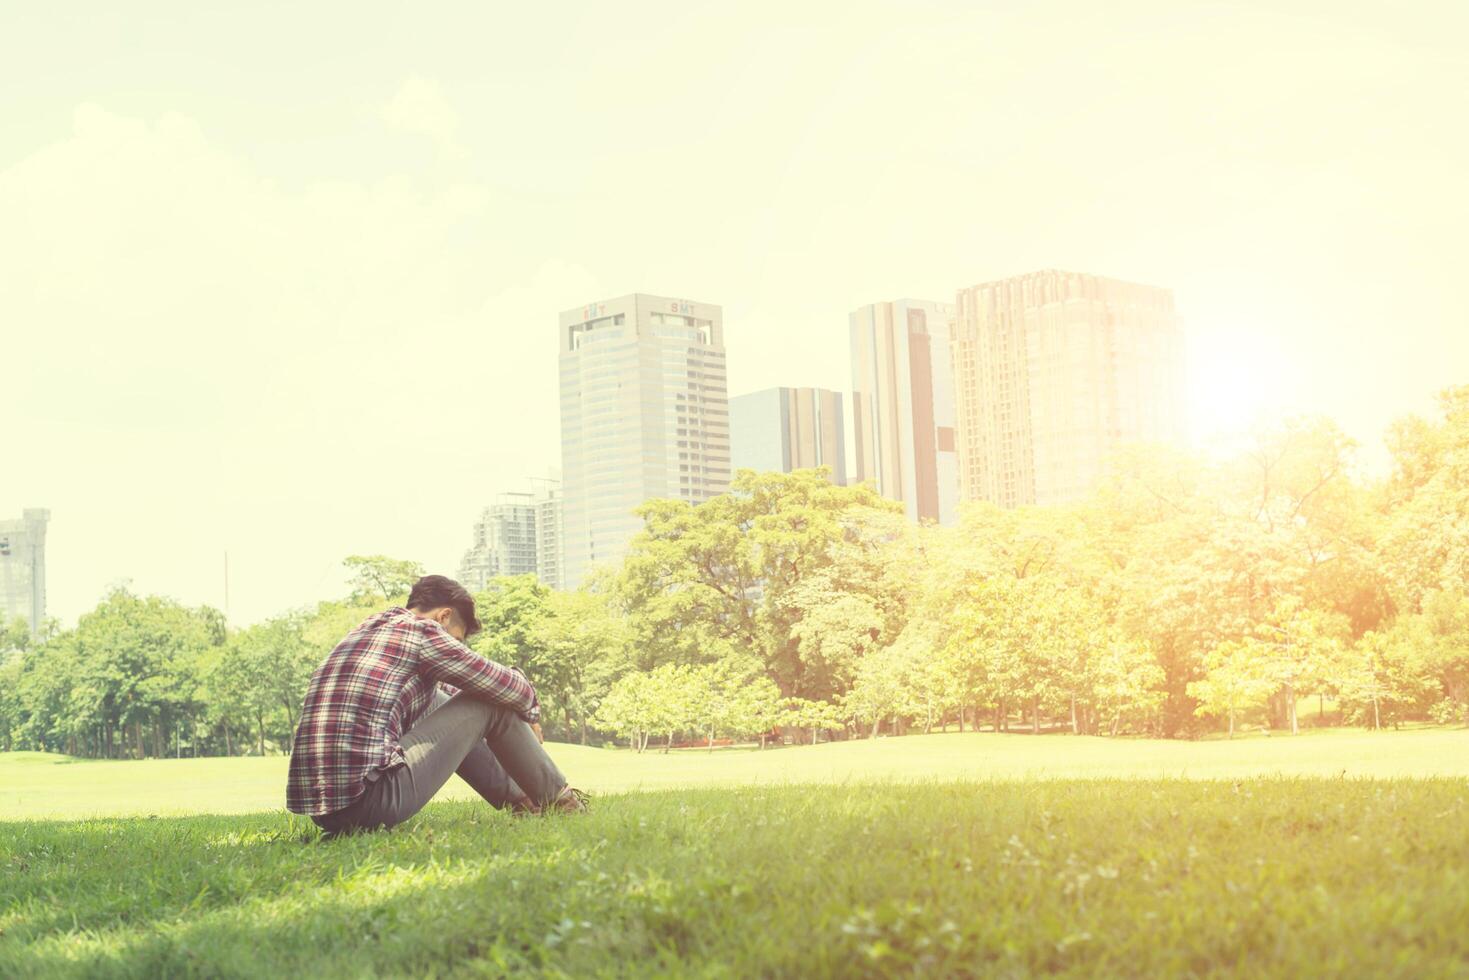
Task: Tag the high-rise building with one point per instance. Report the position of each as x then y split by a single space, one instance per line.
519 534
23 567
1052 371
644 414
784 429
903 405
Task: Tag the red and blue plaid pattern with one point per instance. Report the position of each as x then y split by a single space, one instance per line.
371 689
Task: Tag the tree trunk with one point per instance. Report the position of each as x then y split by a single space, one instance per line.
229 744
584 729
1231 722
669 744
711 739
1074 729
1376 715
1035 716
260 729
1290 690
138 737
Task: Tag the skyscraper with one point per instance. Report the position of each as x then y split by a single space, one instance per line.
23 567
519 534
1052 371
903 405
644 414
784 429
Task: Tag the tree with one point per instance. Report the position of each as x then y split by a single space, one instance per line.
1128 682
1301 650
1425 543
641 704
1237 681
815 715
137 658
574 652
378 577
1389 676
701 582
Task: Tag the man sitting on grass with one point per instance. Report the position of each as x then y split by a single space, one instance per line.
401 704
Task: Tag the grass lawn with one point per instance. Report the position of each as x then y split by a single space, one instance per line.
33 785
1007 856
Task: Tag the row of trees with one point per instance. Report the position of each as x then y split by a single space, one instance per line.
1186 593
145 676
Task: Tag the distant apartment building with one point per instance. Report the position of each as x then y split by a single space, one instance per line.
785 429
519 534
1052 371
903 405
23 567
644 415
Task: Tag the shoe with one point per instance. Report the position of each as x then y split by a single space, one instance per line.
572 800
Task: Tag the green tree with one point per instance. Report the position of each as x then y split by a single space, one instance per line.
378 577
1237 681
575 650
1425 541
817 716
703 582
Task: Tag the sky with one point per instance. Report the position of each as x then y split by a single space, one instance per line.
281 280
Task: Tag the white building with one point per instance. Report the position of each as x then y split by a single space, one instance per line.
784 429
519 534
23 567
903 405
1054 370
644 414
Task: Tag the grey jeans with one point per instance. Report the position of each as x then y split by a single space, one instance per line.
489 746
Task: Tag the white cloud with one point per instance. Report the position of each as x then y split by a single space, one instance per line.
419 106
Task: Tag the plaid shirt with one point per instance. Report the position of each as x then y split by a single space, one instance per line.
371 689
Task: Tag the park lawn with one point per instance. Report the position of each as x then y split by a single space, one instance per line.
1334 853
34 785
1267 876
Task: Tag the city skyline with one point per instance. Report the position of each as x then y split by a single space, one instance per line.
231 277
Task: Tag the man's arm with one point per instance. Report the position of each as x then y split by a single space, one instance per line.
448 661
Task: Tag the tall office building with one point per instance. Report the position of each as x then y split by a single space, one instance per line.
784 429
644 414
1053 370
23 567
519 534
903 405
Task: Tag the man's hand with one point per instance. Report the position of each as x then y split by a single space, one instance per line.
536 727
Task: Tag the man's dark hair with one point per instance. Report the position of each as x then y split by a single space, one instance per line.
436 591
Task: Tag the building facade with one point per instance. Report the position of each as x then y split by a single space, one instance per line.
23 567
785 429
903 405
519 534
644 415
1053 370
